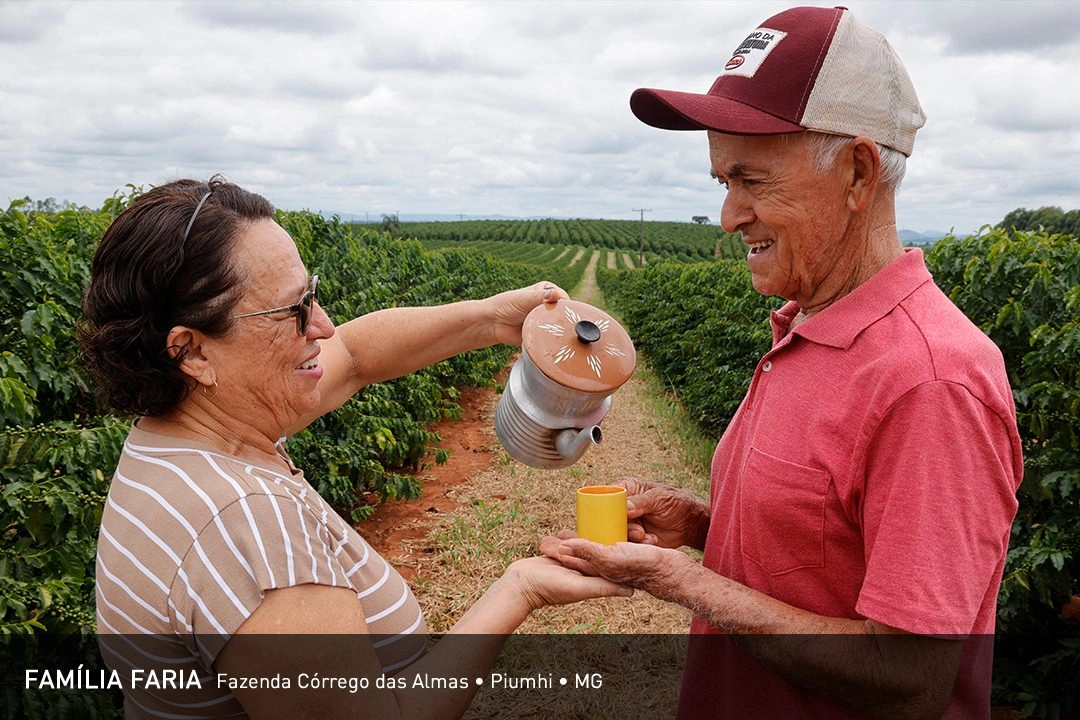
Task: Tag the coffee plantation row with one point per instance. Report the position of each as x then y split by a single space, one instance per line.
563 264
684 242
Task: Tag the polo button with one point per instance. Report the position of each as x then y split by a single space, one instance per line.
766 366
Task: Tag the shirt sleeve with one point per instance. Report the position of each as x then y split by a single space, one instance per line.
257 543
940 497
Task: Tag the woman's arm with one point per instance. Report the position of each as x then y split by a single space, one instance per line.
312 611
390 343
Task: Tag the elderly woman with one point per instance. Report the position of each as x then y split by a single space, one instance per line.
202 320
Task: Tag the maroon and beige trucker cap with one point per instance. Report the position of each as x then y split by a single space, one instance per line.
807 68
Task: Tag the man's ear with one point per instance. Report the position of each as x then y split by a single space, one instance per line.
866 173
195 364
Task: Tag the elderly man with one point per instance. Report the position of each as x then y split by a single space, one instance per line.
863 493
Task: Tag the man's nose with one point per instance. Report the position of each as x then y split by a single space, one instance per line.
736 211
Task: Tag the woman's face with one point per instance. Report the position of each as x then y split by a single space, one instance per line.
266 371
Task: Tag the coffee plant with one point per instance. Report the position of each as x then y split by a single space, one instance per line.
1023 290
58 446
701 326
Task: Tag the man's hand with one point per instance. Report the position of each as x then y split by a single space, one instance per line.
646 567
664 516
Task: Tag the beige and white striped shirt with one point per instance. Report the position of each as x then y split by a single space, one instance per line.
191 539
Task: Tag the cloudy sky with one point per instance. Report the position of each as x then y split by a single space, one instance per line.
483 108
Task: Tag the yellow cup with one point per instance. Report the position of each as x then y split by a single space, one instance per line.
601 513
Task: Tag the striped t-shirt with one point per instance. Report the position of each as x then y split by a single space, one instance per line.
190 540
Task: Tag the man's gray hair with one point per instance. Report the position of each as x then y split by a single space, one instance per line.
824 148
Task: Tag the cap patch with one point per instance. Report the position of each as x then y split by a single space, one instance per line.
748 57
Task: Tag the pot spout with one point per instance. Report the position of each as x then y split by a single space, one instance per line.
572 443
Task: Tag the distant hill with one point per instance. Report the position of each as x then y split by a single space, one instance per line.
911 237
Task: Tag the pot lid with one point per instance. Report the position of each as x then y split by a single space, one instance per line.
578 346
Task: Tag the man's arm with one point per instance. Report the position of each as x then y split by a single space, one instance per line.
881 670
884 671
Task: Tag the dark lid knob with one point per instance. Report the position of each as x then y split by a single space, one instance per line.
587 331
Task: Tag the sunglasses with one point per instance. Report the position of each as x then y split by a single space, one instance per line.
302 309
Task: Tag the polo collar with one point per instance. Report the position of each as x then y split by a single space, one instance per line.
839 324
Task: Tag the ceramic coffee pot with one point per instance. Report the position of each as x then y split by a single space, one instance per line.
573 357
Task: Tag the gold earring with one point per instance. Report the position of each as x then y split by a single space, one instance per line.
207 393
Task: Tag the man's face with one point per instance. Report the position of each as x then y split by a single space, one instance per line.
793 217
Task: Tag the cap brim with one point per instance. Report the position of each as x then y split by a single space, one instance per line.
673 110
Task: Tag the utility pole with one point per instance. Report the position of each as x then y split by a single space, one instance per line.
641 237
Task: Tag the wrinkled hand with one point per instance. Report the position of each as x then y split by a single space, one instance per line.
543 581
646 567
664 516
510 308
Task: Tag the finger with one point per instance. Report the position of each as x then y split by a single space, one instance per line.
633 485
643 503
599 587
649 500
549 546
553 293
638 534
575 563
571 554
582 550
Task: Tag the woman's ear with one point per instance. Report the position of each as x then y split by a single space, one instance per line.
866 172
187 344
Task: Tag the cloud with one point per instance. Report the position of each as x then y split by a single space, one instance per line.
27 22
308 18
978 27
514 108
1046 105
995 27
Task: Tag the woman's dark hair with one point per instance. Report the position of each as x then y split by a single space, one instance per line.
162 264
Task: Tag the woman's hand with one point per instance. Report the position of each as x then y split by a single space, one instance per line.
508 309
542 581
664 516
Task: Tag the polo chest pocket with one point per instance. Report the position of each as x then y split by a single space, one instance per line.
782 513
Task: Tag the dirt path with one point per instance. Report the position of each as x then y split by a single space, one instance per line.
481 510
587 290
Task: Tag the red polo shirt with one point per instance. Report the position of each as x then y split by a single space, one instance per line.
870 472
